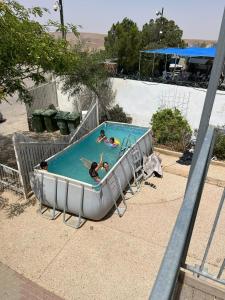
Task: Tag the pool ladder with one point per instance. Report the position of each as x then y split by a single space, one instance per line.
137 167
126 143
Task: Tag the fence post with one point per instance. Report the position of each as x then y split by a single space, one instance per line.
97 110
19 166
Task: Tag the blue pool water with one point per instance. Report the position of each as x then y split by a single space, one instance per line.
69 162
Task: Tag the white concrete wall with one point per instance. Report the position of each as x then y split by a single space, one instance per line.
65 102
142 99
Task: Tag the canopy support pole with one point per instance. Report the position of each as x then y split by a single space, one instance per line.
139 68
166 62
174 67
153 66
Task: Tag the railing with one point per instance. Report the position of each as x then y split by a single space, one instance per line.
10 179
177 248
30 152
91 120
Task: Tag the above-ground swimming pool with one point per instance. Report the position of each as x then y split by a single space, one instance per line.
68 186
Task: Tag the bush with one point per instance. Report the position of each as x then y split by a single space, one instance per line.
117 114
219 149
170 128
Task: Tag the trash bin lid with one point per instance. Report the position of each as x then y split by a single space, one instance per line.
49 112
61 115
72 116
38 112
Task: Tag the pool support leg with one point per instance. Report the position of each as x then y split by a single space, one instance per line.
79 221
43 208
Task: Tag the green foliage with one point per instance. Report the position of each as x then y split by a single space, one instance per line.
219 149
117 114
170 128
89 72
123 43
27 50
159 33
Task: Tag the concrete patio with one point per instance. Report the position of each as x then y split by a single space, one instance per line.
117 258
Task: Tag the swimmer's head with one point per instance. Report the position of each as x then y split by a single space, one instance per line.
94 165
112 140
102 133
44 165
106 165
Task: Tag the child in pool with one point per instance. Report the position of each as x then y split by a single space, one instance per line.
106 166
44 165
102 136
93 171
111 142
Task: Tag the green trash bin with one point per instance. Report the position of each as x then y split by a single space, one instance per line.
61 122
50 121
73 120
38 123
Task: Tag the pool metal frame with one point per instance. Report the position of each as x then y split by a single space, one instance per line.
38 177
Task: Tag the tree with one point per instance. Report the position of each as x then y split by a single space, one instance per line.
123 43
159 33
89 75
27 50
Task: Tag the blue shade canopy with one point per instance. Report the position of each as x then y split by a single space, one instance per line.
189 52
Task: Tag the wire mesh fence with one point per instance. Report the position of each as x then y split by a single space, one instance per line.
10 179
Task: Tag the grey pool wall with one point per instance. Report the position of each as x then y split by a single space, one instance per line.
80 198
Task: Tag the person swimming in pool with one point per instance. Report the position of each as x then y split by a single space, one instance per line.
93 171
111 142
105 166
102 136
44 165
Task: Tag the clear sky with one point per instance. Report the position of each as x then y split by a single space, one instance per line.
198 19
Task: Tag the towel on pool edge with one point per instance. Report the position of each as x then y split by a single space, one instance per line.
152 165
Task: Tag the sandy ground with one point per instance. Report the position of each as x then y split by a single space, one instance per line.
117 258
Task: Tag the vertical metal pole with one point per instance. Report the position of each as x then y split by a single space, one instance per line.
166 62
18 161
97 110
211 93
139 68
213 230
174 67
221 269
153 66
62 19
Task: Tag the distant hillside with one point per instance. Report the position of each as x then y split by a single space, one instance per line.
95 41
199 43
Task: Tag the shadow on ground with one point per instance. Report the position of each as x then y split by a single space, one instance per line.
15 205
7 154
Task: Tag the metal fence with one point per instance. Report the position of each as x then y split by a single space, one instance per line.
43 95
178 245
177 249
30 152
10 179
90 122
200 270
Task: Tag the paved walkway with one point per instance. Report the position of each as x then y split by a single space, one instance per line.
14 286
116 258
